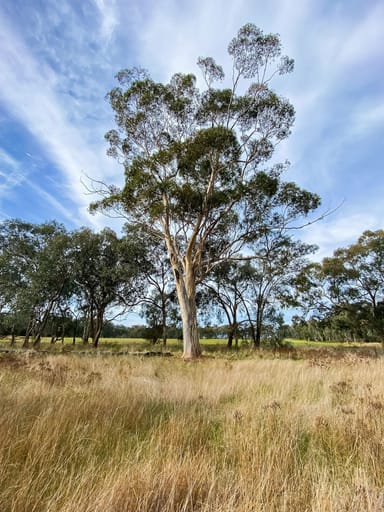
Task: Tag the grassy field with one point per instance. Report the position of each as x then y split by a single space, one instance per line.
175 345
116 434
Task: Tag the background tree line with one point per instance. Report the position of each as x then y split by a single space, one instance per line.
55 282
342 298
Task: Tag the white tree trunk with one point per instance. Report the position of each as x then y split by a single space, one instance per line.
187 300
183 271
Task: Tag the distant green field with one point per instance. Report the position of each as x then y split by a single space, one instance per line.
115 344
306 343
174 345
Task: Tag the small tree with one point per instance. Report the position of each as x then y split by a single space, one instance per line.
193 160
271 278
225 293
106 272
158 300
346 291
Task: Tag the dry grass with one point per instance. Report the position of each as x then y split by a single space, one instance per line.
117 434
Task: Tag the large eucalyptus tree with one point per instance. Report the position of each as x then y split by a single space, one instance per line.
193 159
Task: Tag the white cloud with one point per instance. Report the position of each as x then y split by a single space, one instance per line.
340 231
57 205
11 176
366 41
173 35
367 118
7 159
109 19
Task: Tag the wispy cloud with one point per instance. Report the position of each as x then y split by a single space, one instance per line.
57 206
109 19
363 43
339 231
13 179
11 174
30 91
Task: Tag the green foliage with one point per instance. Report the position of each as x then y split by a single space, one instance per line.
36 274
346 291
49 275
189 153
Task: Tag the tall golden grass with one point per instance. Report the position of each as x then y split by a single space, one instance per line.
121 434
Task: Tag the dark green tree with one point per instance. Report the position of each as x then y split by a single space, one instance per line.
271 278
107 272
36 271
347 289
15 256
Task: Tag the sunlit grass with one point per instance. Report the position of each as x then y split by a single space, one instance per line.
111 434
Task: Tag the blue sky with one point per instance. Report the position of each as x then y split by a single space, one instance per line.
58 60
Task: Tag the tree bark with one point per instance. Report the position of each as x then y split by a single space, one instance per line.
98 327
233 335
186 294
43 323
85 336
164 321
13 337
26 341
257 338
256 343
259 324
230 338
184 275
74 332
28 332
86 327
252 331
62 334
54 334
